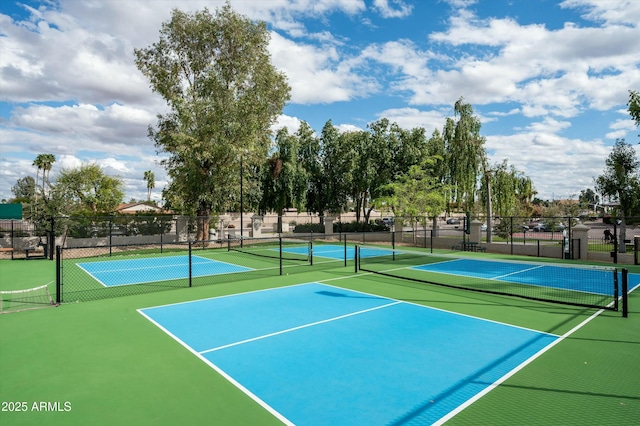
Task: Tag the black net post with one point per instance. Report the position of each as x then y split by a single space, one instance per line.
625 291
345 253
431 240
58 275
190 266
356 259
51 243
615 289
280 257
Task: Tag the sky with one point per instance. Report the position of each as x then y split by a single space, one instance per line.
548 79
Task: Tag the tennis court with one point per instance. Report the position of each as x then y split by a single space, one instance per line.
119 272
310 343
578 279
315 354
338 252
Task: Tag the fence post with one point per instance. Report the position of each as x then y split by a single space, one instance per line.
58 275
110 234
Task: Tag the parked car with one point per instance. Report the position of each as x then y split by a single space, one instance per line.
539 227
453 221
389 221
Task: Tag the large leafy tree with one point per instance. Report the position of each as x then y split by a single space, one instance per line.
465 152
24 190
285 179
310 155
390 153
621 182
87 189
215 73
634 106
417 193
336 160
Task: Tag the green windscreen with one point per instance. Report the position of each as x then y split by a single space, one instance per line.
11 211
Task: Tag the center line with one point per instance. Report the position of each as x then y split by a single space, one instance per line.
298 328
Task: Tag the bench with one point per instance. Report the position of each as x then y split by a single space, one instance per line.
468 246
28 250
7 250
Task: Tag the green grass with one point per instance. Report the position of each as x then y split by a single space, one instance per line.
115 367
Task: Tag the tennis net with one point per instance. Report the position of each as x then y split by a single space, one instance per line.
277 248
19 300
588 286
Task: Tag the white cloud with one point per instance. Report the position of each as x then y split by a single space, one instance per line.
409 118
316 73
609 11
291 123
558 166
550 71
397 8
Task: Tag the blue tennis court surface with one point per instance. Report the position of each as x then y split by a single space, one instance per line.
597 281
314 354
336 251
111 273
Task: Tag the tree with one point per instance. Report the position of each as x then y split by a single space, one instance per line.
150 178
214 72
311 160
24 190
621 182
87 189
634 106
337 168
285 179
44 162
588 199
417 193
465 151
390 152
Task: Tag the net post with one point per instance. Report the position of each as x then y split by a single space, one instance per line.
615 289
280 257
58 276
190 265
625 293
356 259
345 252
431 241
310 253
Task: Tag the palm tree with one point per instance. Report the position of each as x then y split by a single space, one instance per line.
149 177
44 162
47 164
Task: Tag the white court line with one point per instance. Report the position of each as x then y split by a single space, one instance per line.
231 380
517 272
299 327
495 384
